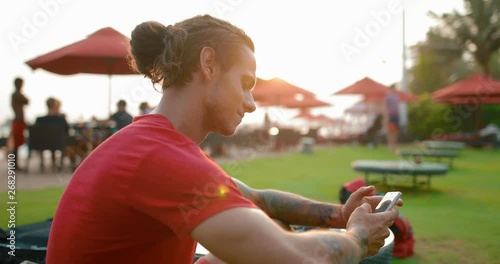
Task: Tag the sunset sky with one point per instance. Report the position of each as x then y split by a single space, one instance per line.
321 46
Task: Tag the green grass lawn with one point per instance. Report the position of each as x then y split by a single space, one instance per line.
457 221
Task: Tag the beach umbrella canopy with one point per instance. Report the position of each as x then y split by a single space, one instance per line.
373 91
326 119
299 101
403 97
366 87
467 100
307 115
359 108
477 89
320 118
365 108
102 52
274 90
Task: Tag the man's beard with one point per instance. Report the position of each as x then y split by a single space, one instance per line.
213 117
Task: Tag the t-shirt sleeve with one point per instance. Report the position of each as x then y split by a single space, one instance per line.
184 190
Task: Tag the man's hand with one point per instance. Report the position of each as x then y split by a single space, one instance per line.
359 197
371 229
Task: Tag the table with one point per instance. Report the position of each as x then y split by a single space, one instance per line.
437 153
400 168
436 144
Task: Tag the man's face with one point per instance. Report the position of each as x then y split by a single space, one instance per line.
231 97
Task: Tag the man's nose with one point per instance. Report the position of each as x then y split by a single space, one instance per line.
249 103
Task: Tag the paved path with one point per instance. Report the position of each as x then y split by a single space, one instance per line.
36 179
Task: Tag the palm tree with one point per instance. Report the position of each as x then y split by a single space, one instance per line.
439 61
477 31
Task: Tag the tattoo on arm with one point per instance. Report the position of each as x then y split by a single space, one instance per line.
293 209
335 252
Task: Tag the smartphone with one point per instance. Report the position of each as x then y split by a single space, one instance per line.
387 202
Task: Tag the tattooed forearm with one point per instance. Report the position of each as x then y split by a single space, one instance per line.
360 235
330 247
335 252
293 209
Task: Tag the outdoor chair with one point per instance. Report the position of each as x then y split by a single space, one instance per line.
46 136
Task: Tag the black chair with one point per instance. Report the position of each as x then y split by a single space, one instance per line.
31 243
47 136
3 141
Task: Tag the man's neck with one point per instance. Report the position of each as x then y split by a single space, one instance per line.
183 108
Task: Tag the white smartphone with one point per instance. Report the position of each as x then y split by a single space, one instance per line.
387 202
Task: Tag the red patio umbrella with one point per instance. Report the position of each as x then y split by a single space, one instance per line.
360 108
373 91
479 89
274 90
366 87
296 102
321 118
304 103
326 119
467 100
307 115
102 52
403 97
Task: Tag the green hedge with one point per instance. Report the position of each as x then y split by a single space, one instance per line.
427 118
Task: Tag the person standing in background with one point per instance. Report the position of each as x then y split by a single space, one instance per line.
18 101
392 118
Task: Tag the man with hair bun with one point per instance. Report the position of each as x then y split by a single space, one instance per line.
148 194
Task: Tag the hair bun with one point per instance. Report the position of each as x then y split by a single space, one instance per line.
147 44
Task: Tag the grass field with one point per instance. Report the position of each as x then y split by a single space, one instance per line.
457 221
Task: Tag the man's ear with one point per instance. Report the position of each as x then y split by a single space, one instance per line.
207 62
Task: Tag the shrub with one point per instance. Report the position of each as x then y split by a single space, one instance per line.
427 118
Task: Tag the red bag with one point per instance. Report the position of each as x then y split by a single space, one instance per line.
403 237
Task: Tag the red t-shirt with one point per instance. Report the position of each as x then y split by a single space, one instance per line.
137 197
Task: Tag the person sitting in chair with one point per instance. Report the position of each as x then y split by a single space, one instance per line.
121 118
53 116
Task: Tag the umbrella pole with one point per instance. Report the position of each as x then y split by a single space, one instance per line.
109 94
